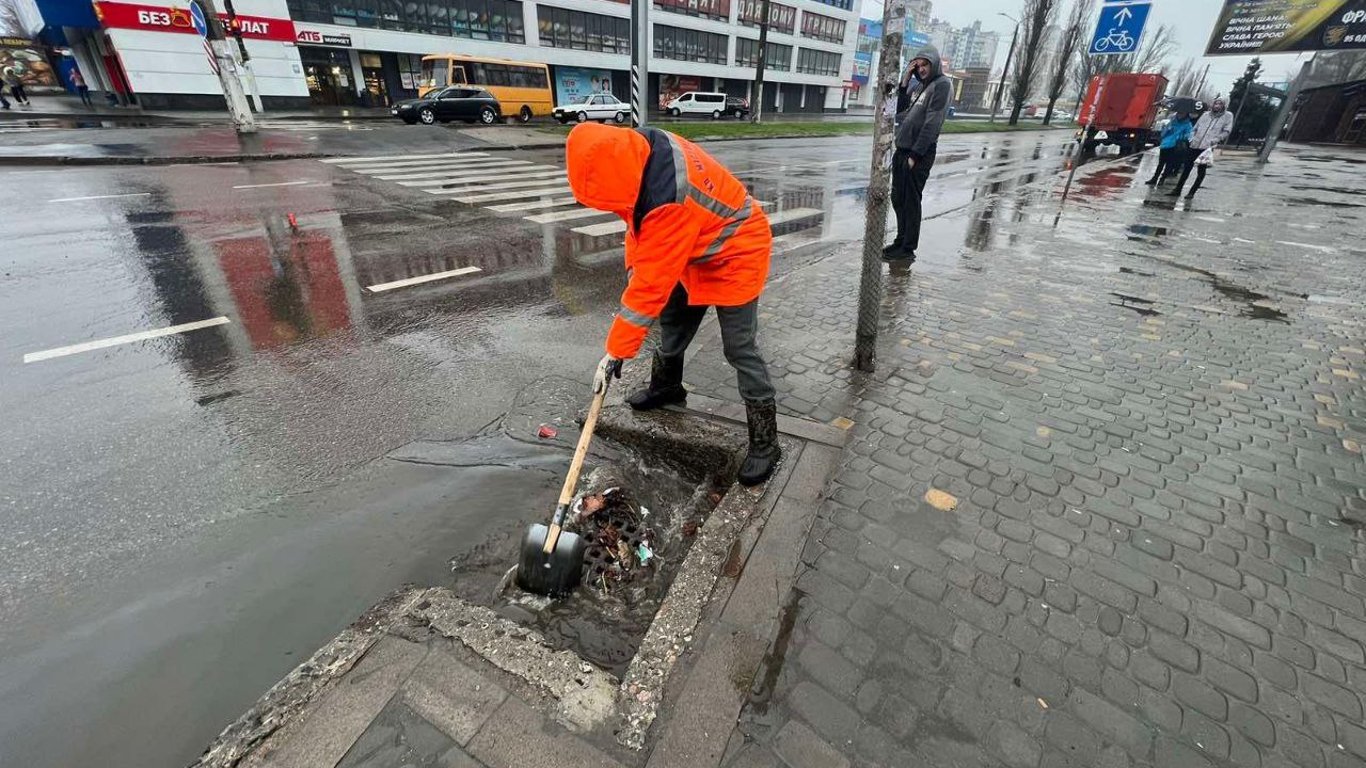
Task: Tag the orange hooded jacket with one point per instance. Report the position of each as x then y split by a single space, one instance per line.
687 220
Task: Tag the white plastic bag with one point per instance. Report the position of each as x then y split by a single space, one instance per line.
1206 157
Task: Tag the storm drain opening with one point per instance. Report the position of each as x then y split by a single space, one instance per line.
640 505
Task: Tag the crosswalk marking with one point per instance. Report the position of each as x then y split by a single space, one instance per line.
605 228
580 213
559 188
531 206
509 166
404 283
500 185
505 183
344 161
457 179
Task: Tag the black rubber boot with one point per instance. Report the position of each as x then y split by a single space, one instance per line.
666 386
764 452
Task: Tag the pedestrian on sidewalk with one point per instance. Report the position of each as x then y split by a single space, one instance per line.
1211 130
694 238
82 90
16 86
920 116
4 103
1171 153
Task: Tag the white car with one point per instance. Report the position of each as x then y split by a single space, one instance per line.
599 106
698 103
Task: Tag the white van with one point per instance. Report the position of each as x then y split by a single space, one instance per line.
698 103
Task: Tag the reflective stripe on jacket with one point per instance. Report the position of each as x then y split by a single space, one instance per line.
688 220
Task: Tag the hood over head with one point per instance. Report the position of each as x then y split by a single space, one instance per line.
605 165
930 54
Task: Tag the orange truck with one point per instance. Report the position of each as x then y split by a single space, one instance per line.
1124 105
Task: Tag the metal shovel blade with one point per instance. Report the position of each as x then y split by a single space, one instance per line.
555 574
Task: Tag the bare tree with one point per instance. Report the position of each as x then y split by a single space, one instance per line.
10 21
1069 43
1037 19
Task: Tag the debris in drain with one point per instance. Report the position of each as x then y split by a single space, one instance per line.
619 544
547 432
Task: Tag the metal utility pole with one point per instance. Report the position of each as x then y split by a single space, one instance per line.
1201 85
1284 112
1005 71
879 187
235 27
640 60
225 66
761 60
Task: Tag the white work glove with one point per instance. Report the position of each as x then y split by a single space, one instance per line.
607 368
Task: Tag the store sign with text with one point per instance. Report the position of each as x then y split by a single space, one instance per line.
314 37
1250 27
160 18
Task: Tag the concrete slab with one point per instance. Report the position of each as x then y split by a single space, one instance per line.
454 697
323 735
516 736
401 737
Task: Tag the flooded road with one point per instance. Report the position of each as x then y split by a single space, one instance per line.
185 515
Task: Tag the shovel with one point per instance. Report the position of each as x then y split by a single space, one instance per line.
552 558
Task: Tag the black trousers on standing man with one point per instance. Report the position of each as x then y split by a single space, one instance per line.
908 185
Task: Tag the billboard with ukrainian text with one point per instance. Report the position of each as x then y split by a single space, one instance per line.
1247 27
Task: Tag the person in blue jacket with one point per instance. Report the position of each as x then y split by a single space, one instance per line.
1171 154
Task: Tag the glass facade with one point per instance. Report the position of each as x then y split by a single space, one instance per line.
813 62
561 28
747 52
843 5
711 9
820 27
781 18
689 45
495 20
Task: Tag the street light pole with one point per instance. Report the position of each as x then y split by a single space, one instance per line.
760 62
640 60
1283 113
879 188
1005 71
226 69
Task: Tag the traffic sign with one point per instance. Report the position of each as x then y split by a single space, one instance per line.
199 19
1120 27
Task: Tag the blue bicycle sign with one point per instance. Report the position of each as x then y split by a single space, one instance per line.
1120 27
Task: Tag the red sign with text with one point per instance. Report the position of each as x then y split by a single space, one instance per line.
159 18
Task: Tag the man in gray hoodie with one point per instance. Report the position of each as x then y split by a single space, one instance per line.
919 118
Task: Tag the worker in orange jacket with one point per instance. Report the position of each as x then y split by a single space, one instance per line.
694 239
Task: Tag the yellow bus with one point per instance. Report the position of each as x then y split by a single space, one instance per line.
521 87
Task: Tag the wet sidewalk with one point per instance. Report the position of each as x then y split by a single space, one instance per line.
1104 501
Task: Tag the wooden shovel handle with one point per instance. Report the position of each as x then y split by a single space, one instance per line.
571 481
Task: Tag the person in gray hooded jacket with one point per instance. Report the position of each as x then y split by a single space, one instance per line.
920 115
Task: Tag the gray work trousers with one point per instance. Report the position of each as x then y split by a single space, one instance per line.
678 324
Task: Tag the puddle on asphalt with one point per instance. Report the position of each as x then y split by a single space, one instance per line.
1140 306
1314 201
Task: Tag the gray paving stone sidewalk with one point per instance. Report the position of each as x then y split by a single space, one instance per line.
1104 500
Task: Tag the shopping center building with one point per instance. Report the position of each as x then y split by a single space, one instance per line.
368 52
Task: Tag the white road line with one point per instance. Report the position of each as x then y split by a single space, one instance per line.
580 213
345 160
531 206
558 189
277 184
98 197
605 228
88 346
792 214
471 185
1322 248
477 178
379 287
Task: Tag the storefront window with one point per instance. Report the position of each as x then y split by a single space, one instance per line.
689 45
